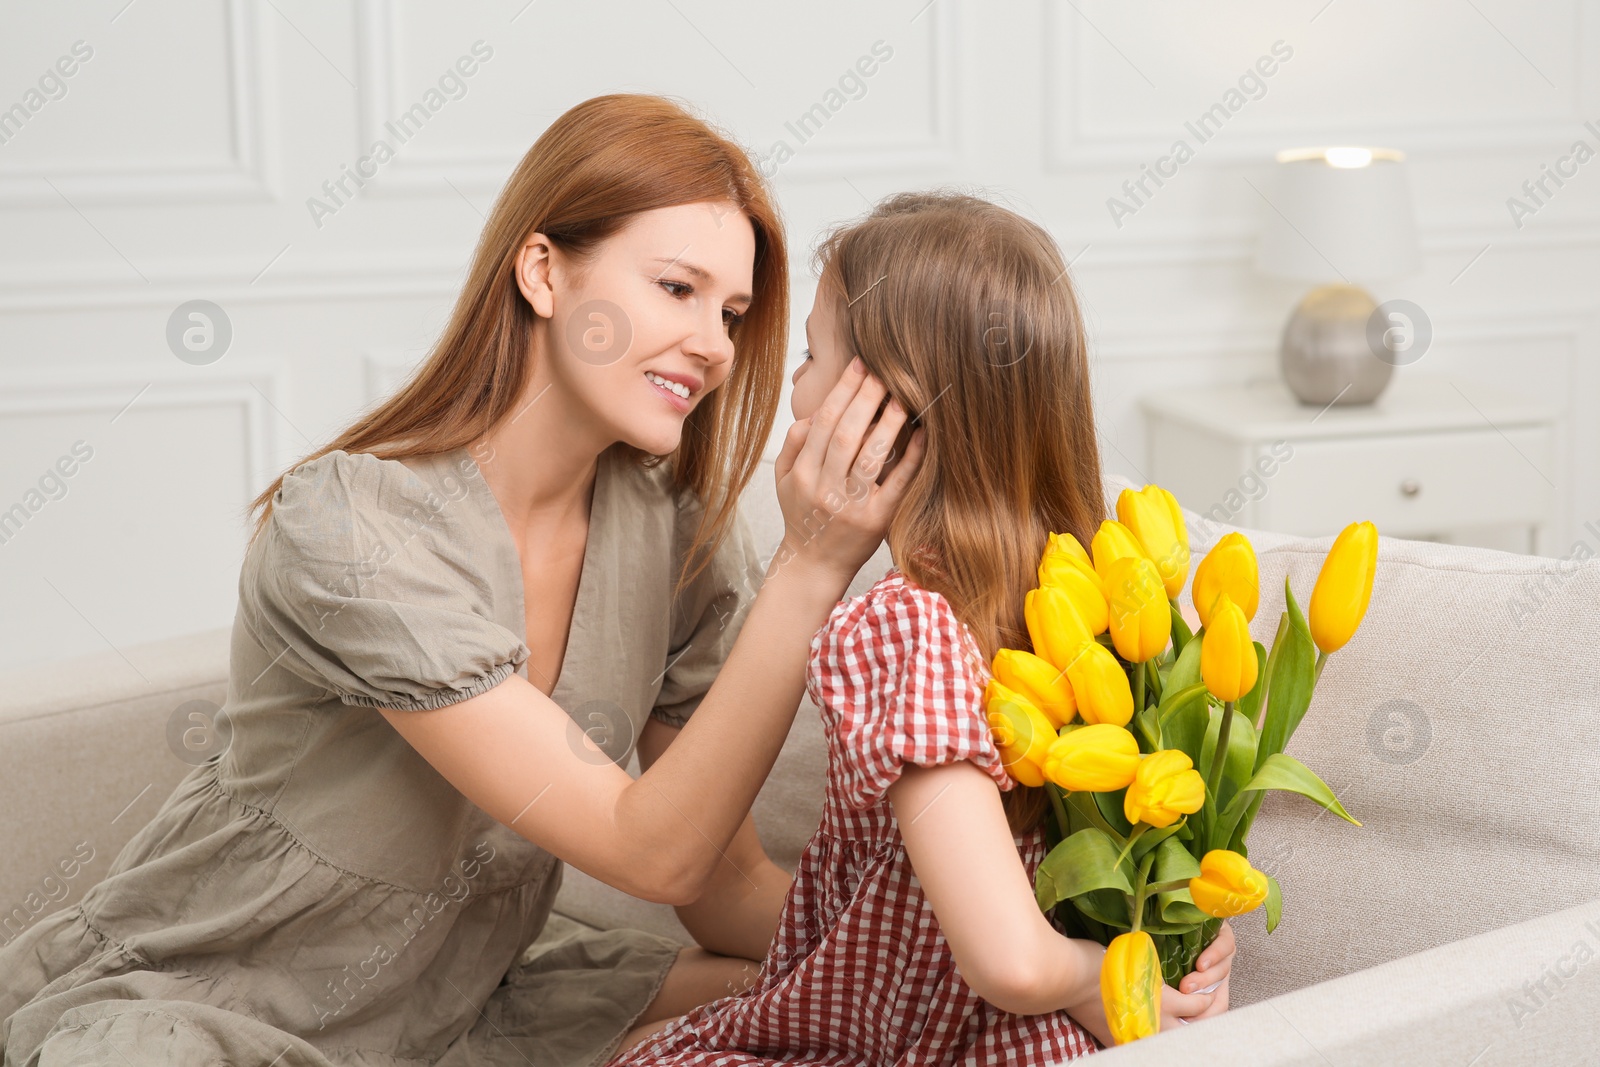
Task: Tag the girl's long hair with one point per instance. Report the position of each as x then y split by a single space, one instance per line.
965 311
598 165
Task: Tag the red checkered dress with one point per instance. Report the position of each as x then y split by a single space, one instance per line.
859 972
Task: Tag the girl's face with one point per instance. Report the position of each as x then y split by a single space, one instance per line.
640 334
826 356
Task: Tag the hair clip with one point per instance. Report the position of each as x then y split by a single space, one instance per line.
864 292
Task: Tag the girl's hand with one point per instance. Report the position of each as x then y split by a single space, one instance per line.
1178 1009
1212 969
835 515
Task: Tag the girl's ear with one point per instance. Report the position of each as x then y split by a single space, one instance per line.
532 270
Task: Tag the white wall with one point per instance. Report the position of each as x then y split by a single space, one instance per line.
178 164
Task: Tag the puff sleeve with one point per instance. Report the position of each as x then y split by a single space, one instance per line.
902 682
367 582
707 617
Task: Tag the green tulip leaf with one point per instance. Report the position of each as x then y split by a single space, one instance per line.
1177 907
1180 629
1151 838
1173 861
1297 623
1183 718
1077 819
1110 807
1284 772
1085 861
1274 903
1293 678
1159 927
1240 761
1148 724
1186 670
1163 926
1154 682
1105 906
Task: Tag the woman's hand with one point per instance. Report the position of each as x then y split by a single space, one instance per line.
835 515
1212 969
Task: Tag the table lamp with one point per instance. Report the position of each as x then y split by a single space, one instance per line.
1340 217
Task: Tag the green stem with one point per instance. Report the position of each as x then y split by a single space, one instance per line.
1214 776
1138 688
1155 680
1168 887
1322 657
1142 890
1054 792
1138 832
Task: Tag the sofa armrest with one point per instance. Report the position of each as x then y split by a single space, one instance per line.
1523 994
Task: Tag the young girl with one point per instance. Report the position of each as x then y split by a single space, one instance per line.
910 934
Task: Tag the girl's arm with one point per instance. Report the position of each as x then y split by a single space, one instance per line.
512 752
961 848
737 914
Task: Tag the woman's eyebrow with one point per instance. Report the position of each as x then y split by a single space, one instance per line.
700 273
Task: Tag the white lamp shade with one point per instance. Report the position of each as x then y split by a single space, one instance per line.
1350 222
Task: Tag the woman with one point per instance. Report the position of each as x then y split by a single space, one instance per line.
496 563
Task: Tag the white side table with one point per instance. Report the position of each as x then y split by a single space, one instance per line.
1429 457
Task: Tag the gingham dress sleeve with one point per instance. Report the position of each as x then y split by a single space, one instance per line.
367 583
904 684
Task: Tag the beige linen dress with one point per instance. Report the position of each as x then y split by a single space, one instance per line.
318 893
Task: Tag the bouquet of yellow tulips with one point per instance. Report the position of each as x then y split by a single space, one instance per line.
1156 745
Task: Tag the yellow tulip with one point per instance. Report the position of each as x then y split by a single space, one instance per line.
1113 541
1021 733
1140 618
1228 658
1095 759
1130 986
1063 548
1339 600
1061 569
1101 686
1227 885
1055 625
1040 681
1153 515
1230 567
1165 786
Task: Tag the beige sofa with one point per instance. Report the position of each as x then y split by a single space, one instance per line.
1460 924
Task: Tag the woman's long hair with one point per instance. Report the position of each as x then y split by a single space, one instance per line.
598 165
965 311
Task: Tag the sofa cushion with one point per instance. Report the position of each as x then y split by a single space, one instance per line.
85 762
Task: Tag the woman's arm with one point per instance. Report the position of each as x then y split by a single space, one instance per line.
661 837
737 914
960 846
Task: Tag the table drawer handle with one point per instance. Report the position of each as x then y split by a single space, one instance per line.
1410 487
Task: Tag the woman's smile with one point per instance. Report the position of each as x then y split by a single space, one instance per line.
676 389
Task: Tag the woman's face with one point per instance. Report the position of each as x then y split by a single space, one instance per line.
640 334
827 354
